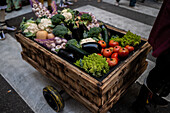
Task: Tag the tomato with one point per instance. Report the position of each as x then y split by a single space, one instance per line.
111 48
102 43
107 59
102 51
113 43
99 54
107 52
130 48
123 52
114 55
112 62
116 49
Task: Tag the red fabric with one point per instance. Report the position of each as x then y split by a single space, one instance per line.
160 34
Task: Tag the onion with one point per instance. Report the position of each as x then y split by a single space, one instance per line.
50 35
41 35
52 45
52 49
64 40
58 41
56 38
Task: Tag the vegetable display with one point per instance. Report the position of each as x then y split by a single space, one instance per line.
79 38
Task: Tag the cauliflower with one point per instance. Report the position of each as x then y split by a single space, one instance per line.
67 13
45 24
67 16
32 27
29 27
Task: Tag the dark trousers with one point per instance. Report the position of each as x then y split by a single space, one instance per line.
158 80
132 3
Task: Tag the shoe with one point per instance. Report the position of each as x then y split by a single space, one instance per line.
68 3
63 6
139 108
134 7
116 3
5 26
2 35
158 101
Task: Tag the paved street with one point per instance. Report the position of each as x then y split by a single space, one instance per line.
26 83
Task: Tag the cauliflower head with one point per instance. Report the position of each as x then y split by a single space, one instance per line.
45 24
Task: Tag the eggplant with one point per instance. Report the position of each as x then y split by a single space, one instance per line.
64 53
92 47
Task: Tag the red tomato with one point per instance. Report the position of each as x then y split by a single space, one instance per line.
123 52
113 43
116 49
102 43
130 48
107 59
102 51
107 52
111 48
112 62
114 55
99 54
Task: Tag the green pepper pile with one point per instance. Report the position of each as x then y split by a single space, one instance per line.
94 64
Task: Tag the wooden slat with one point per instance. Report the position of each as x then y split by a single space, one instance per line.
92 107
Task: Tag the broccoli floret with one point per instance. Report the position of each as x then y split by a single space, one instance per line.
74 42
94 32
60 31
57 19
86 18
94 64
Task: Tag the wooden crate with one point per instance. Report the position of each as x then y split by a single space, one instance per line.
96 96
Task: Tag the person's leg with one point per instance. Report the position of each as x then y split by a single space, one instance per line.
49 4
158 80
3 24
2 17
68 2
117 2
9 5
42 1
17 4
142 100
132 3
61 5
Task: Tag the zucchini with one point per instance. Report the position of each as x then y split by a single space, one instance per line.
79 52
105 35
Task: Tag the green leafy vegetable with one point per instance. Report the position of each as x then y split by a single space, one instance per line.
60 31
86 18
94 64
57 19
74 42
128 39
95 33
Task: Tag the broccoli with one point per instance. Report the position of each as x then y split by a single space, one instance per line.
57 19
74 42
60 31
94 64
95 33
86 18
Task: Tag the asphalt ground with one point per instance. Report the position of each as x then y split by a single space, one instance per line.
10 101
